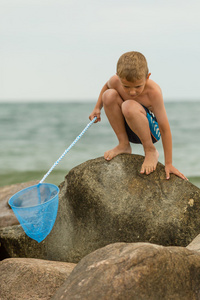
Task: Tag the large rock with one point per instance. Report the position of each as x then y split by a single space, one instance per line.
26 278
134 272
16 243
105 202
7 217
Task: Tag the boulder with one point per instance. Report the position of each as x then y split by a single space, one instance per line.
103 202
26 278
16 243
7 217
135 271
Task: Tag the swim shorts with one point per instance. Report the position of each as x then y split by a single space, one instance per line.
153 125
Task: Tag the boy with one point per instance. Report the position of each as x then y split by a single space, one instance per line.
134 106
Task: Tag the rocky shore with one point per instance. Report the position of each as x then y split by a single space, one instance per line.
118 235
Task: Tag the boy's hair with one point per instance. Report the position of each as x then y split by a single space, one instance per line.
132 66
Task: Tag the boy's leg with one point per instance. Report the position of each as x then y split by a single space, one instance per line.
135 116
112 103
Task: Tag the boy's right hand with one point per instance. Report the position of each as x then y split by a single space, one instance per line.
96 113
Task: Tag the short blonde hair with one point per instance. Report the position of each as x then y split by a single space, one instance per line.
132 66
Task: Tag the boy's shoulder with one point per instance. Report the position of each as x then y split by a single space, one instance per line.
152 85
113 82
152 88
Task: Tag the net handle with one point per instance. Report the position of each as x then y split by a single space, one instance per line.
67 150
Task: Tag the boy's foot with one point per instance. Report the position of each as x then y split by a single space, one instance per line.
108 155
150 162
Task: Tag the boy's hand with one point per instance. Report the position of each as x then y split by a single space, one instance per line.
171 169
95 113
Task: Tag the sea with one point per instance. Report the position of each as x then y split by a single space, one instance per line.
34 135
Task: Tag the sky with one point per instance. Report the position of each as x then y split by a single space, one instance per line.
65 50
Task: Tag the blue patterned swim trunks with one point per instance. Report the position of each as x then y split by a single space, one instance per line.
153 125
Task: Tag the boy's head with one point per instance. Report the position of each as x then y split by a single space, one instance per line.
132 66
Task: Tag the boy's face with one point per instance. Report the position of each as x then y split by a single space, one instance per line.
133 89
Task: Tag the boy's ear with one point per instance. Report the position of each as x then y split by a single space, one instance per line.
148 75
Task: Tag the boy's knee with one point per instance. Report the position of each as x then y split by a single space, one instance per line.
130 108
109 96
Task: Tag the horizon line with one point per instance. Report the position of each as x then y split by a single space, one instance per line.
76 100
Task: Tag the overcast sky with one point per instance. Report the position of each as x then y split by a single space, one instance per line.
68 49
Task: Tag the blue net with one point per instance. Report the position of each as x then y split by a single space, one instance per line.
36 209
36 206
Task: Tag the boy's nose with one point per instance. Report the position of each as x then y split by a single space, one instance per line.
132 92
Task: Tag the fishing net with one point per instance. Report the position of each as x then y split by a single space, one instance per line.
36 209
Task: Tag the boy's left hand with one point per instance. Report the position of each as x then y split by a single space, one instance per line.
170 169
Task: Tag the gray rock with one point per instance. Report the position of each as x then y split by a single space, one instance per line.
139 271
17 244
105 202
26 278
7 217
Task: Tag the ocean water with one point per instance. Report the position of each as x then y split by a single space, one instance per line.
34 135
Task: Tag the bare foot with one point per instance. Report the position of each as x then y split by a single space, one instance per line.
108 155
150 162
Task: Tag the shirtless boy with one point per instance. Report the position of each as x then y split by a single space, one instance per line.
129 98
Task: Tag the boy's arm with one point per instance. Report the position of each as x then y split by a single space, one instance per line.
161 115
97 110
